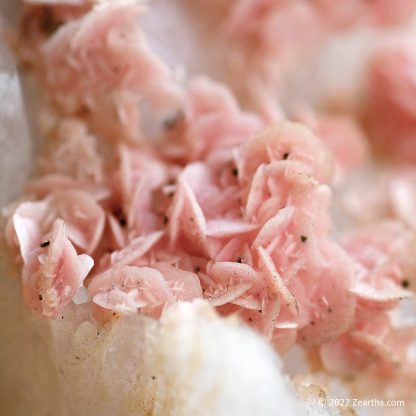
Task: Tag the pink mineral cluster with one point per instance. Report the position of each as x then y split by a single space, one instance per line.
392 92
272 37
152 192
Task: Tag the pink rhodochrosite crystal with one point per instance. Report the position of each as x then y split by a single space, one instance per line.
155 189
392 89
52 271
268 42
